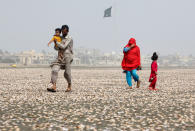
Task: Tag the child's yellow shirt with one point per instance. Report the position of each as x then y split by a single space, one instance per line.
57 38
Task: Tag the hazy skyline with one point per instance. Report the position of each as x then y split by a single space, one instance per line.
166 26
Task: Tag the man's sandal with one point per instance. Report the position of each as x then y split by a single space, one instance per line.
51 90
68 90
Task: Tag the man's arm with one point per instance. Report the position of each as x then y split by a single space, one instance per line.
63 46
56 47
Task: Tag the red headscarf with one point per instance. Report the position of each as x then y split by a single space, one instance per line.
131 59
132 41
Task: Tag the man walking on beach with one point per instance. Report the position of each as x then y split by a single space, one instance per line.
66 46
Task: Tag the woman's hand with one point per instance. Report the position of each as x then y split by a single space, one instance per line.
139 67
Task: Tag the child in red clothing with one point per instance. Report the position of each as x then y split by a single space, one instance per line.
153 75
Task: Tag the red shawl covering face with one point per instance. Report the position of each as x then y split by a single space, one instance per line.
131 59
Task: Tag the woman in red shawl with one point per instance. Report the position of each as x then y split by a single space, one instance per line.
131 62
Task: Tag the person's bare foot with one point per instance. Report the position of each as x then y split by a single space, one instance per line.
68 88
130 87
138 83
150 88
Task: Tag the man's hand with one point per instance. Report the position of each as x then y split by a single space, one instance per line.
55 45
54 40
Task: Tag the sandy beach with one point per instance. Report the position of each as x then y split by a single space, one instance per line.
100 100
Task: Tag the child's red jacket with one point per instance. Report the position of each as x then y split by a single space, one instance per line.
154 68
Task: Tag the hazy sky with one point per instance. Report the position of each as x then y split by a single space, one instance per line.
166 26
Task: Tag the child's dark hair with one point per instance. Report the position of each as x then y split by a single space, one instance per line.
154 56
58 29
